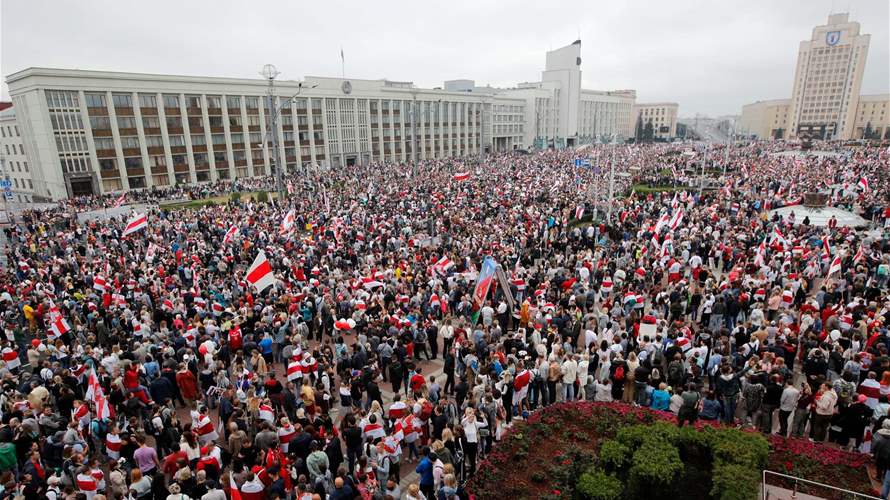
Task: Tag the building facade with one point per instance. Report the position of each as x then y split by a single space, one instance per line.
662 116
98 132
89 132
872 117
765 119
825 97
14 165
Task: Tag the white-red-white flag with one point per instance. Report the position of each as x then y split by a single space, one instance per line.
120 201
260 273
461 176
136 223
863 184
287 224
835 266
230 234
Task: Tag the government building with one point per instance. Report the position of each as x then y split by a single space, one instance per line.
825 100
86 132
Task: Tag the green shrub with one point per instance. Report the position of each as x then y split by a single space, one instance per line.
597 485
732 446
656 462
735 482
615 454
235 197
262 197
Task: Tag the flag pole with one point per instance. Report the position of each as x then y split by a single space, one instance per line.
342 63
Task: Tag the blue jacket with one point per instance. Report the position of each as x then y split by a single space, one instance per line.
425 469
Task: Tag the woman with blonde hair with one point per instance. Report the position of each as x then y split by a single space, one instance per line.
629 386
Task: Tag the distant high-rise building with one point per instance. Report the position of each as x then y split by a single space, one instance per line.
827 80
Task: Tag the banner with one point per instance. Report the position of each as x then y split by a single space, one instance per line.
483 283
505 287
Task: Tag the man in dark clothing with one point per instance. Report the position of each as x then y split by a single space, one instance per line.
432 337
771 401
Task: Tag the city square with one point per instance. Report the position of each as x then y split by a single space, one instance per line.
256 287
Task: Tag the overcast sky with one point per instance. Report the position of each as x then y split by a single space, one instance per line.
709 56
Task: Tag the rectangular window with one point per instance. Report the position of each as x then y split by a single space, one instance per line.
95 100
174 122
200 159
151 122
148 101
235 121
157 161
130 142
219 157
154 141
252 102
122 100
176 140
103 143
193 101
237 138
136 182
198 140
239 155
100 122
218 139
133 162
253 120
215 121
181 159
126 122
233 101
213 101
171 101
196 122
301 104
255 138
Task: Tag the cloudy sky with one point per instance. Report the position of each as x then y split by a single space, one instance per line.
709 56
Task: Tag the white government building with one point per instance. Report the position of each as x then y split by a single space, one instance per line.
88 132
825 100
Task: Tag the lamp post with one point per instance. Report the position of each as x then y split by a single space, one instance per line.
269 73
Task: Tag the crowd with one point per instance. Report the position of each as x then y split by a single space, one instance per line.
149 365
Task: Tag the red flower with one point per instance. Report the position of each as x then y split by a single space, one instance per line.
557 492
789 466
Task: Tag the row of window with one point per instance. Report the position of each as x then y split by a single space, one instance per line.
20 150
8 130
18 166
125 100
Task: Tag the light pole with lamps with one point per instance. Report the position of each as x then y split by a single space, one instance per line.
270 72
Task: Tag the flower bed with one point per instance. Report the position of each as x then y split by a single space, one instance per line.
546 455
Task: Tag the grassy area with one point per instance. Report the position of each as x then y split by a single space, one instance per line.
214 200
646 189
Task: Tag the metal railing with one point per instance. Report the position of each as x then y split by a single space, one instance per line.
765 494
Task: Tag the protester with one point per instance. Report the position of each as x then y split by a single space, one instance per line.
264 346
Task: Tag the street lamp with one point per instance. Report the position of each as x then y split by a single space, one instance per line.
269 72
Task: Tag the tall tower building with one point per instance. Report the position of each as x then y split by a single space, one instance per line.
827 80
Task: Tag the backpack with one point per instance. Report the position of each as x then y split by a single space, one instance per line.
658 358
619 372
420 337
675 370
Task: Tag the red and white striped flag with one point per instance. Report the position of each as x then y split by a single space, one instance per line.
461 176
260 273
294 370
835 266
677 219
120 201
443 265
860 254
287 224
579 212
99 283
136 223
267 413
863 184
230 234
11 357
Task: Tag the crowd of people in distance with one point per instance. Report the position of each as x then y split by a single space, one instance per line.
373 334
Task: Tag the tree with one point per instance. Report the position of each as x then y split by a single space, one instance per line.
649 131
639 133
867 134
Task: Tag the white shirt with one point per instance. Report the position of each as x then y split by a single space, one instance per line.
471 428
